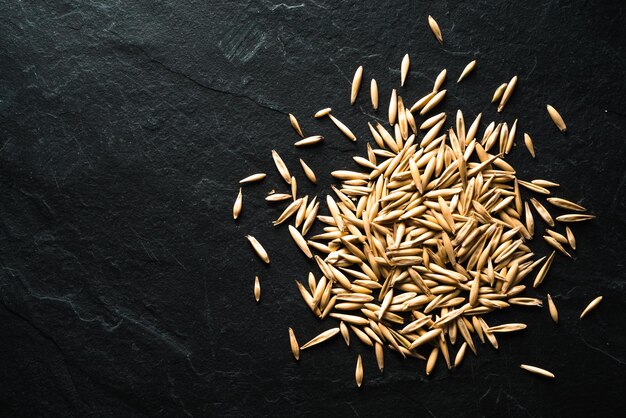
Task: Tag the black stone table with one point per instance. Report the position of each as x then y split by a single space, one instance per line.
125 284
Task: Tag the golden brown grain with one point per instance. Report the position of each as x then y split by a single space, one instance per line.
592 305
308 172
507 93
529 144
310 219
257 289
294 188
556 118
499 91
277 197
507 327
310 140
574 217
253 178
393 107
571 239
281 167
537 370
559 237
437 98
542 211
300 241
345 333
441 77
356 84
358 373
380 356
468 69
432 360
434 27
238 205
324 336
374 94
555 244
552 308
541 275
404 68
533 187
433 120
322 112
295 347
295 125
288 212
460 355
343 128
565 204
258 249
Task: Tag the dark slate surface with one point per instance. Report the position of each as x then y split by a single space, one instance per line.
125 285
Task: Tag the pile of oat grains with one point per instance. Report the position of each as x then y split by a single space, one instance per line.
428 236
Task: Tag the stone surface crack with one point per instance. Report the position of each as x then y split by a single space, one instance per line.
196 82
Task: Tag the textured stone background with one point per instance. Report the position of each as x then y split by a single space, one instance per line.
125 285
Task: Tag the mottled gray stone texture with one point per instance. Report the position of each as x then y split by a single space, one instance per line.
125 285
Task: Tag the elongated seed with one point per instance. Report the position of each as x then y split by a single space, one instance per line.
295 125
423 101
323 112
529 144
552 308
460 354
393 107
507 328
258 249
324 336
542 211
288 212
295 347
278 197
406 62
343 128
507 93
440 79
556 118
356 84
308 172
541 275
380 356
537 370
238 205
432 360
358 373
498 93
374 94
281 167
253 178
565 204
468 69
434 27
571 239
257 289
429 336
574 217
437 98
300 241
592 305
310 140
345 333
